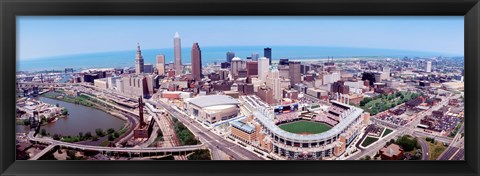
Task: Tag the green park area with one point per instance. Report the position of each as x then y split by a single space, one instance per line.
436 148
383 102
368 140
386 132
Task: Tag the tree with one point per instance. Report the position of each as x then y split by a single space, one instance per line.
43 132
110 130
368 157
116 134
64 111
71 154
110 137
95 138
80 135
100 132
407 143
56 137
43 119
88 135
57 105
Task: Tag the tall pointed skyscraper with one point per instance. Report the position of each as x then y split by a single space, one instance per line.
196 62
177 53
139 61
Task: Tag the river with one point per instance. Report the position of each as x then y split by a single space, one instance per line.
80 119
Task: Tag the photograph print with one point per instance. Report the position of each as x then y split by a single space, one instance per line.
240 88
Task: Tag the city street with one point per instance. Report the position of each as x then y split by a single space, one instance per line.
215 143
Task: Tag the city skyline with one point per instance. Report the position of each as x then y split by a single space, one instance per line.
52 36
309 103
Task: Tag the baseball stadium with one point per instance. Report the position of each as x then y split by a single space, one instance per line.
307 135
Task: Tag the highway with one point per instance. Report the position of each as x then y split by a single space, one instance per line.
43 152
53 143
425 149
455 150
214 142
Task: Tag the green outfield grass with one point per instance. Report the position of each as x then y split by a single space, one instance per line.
305 127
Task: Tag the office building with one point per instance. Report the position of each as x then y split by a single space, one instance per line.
428 67
177 54
294 70
101 83
196 62
148 68
273 82
263 68
160 64
236 66
283 62
252 68
243 131
267 52
135 86
230 56
139 67
255 56
331 78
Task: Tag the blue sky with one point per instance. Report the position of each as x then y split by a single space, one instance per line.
39 37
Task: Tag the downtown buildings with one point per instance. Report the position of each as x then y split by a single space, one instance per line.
196 62
177 53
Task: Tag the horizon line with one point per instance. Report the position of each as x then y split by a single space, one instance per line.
270 46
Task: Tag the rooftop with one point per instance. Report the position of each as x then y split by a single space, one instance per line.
213 100
243 126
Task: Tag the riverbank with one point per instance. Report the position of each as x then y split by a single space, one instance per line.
85 101
85 116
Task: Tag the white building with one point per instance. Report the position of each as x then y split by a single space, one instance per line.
236 66
101 83
331 78
263 67
112 82
428 67
273 81
355 84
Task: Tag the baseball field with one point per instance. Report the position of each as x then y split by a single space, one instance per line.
305 127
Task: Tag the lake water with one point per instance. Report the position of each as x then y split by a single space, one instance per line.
121 59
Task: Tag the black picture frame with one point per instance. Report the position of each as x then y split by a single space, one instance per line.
9 9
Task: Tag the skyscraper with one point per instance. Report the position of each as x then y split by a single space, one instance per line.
160 64
273 81
263 67
252 68
267 52
294 70
428 67
139 61
255 56
177 53
196 62
236 66
230 56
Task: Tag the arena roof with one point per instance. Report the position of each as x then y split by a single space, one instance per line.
213 100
